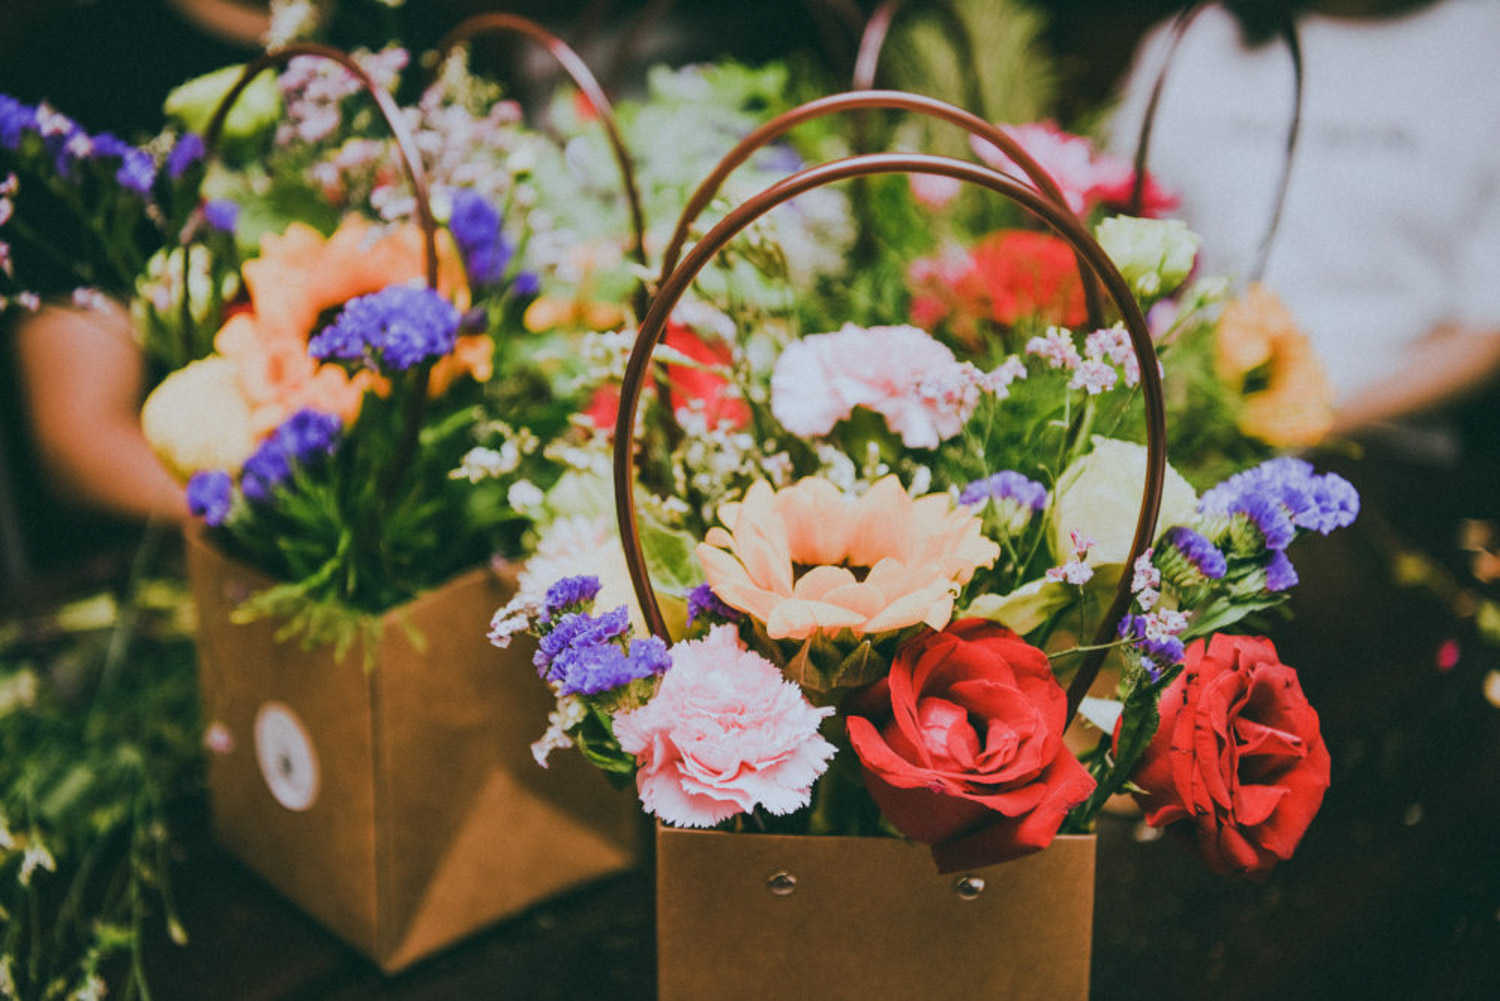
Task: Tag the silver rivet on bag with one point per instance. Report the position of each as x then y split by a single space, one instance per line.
968 887
782 884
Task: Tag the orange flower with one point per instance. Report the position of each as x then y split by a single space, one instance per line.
809 558
1257 335
297 277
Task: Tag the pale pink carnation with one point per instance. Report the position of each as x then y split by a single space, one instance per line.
935 190
726 733
1086 176
819 380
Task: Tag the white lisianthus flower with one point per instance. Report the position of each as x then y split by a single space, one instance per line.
1099 496
1154 255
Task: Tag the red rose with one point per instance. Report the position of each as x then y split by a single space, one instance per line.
1239 752
962 745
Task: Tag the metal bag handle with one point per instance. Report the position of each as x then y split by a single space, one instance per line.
862 101
499 22
1179 28
1062 221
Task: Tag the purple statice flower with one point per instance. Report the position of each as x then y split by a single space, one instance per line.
1188 558
1280 574
1157 650
16 119
475 225
526 284
302 439
1016 497
210 494
137 172
701 600
107 144
1288 485
1006 485
587 654
222 214
569 593
391 330
188 151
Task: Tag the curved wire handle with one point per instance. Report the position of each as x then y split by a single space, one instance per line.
406 147
1179 29
583 78
858 101
411 162
1062 221
878 28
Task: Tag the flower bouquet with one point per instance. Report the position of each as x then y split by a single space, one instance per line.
873 586
361 440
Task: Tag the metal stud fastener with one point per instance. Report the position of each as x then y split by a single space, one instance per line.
782 884
968 887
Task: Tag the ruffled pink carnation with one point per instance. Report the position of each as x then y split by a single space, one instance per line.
725 733
1087 176
819 380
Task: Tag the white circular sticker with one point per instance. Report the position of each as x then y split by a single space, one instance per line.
287 759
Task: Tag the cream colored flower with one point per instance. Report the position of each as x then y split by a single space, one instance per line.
809 558
1099 496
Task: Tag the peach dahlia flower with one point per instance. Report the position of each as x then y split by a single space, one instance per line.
809 558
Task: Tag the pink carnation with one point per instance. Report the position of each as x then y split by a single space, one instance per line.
1087 176
725 733
819 380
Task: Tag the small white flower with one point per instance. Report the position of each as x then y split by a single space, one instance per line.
525 496
37 857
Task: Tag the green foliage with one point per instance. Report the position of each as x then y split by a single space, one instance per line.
99 736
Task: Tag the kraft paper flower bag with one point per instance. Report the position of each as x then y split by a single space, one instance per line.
897 625
361 440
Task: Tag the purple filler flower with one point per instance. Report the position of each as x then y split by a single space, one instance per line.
701 600
222 214
587 654
16 119
476 229
302 439
1157 652
570 593
390 330
1280 574
1006 485
137 172
1184 555
210 493
1304 499
188 151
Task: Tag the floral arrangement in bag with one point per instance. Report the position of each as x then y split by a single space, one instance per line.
360 419
878 568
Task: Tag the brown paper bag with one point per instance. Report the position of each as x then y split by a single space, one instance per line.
746 917
400 806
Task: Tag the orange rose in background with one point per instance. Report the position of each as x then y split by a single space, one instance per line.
1238 753
1257 337
962 745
